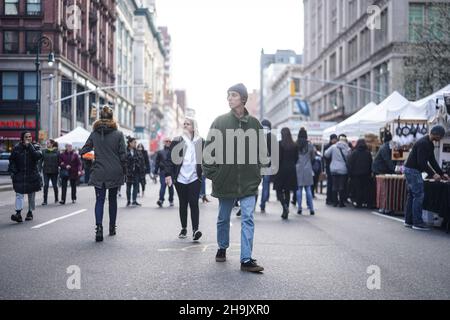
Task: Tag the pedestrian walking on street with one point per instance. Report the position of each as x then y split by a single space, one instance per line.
135 169
50 169
330 194
70 170
421 159
305 174
23 167
203 191
338 153
183 168
162 157
360 173
267 125
235 181
317 169
285 180
108 168
143 180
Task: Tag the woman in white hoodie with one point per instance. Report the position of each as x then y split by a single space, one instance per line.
183 168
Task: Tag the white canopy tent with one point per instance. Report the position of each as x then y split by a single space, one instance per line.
76 137
350 126
431 99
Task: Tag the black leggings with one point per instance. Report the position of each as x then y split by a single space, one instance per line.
188 194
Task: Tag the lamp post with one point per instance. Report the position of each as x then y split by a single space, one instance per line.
43 41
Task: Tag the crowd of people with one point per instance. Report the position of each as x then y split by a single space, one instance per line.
349 171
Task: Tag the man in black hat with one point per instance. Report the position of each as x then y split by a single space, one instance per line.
421 159
330 196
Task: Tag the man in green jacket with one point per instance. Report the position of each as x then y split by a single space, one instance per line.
235 171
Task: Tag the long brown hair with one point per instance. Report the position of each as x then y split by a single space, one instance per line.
286 139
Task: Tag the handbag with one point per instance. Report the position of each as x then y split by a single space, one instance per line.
64 173
322 176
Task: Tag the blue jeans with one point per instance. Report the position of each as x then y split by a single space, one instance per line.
247 225
265 191
309 197
100 195
162 191
203 187
416 194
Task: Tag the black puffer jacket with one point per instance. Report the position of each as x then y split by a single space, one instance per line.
135 165
50 161
23 166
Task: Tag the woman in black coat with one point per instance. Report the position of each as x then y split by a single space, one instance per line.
144 173
23 167
360 171
135 169
50 168
107 169
285 180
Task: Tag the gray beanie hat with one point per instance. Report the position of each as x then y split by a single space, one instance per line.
438 131
242 90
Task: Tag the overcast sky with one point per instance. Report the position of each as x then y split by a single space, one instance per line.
217 43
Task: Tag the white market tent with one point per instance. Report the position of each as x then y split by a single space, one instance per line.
431 99
350 126
76 137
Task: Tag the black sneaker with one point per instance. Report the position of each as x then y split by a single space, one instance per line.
29 216
73 201
312 212
44 203
251 266
299 211
182 234
421 227
221 255
135 203
128 203
197 235
99 233
62 202
263 210
239 213
17 218
159 203
171 204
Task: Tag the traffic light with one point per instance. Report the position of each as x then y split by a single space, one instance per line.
294 87
148 97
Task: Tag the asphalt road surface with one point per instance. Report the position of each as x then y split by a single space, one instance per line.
336 254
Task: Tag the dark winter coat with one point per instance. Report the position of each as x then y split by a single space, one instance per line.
23 167
146 161
109 167
235 180
161 157
286 178
383 164
50 161
135 165
360 162
172 169
73 160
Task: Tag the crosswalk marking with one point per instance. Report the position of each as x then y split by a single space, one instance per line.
60 218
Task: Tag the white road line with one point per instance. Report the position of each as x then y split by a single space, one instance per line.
60 218
387 217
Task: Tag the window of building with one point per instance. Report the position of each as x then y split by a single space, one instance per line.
382 81
381 35
364 83
416 21
80 105
352 97
352 10
341 60
29 81
11 7
365 45
352 51
10 42
66 105
333 70
10 85
34 7
31 39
